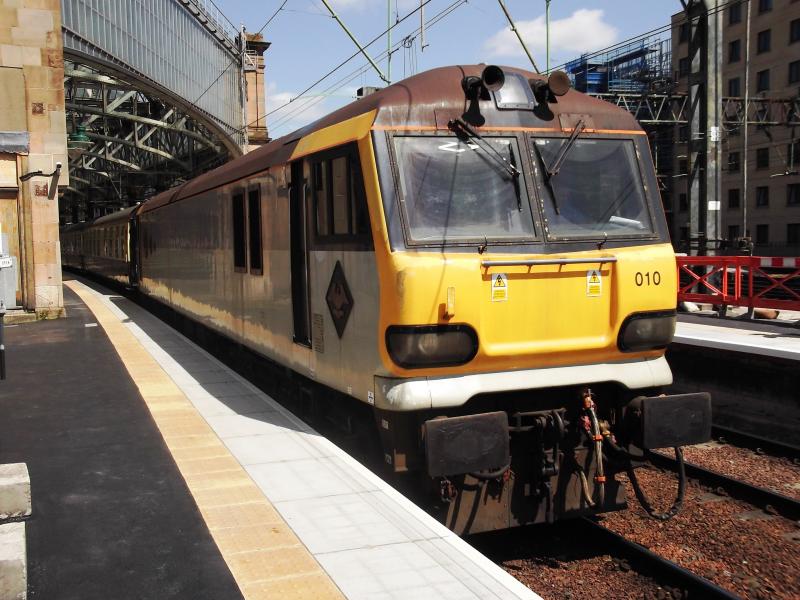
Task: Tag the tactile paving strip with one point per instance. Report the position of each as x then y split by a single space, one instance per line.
264 555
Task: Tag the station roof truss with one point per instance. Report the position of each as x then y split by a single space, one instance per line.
139 143
673 109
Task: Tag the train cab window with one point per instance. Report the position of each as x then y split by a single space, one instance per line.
254 228
597 192
340 208
454 191
238 215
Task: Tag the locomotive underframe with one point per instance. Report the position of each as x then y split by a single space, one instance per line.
547 469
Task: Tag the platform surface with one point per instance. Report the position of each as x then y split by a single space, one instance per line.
291 514
112 516
763 339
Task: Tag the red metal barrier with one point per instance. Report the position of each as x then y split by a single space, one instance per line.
751 281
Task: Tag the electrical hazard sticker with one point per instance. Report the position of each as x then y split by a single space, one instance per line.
499 287
594 283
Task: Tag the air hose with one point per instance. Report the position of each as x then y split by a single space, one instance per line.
594 433
639 492
643 500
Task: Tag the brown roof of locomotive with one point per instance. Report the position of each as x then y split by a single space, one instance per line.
429 99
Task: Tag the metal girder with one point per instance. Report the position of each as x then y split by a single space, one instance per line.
651 108
672 109
111 159
72 106
762 111
185 50
138 143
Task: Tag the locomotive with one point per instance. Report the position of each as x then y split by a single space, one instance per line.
475 255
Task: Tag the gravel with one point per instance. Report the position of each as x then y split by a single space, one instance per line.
728 542
556 564
731 543
781 475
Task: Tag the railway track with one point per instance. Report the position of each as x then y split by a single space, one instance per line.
767 500
655 566
753 442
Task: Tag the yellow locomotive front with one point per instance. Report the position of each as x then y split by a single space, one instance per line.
527 294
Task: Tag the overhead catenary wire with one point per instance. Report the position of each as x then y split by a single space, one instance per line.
275 14
312 101
340 65
363 69
386 78
234 60
657 30
348 59
359 71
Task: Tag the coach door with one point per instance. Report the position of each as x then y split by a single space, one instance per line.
298 232
132 246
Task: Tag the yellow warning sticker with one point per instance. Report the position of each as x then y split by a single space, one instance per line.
594 283
499 287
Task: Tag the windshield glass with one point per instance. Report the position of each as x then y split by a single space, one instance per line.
597 191
456 191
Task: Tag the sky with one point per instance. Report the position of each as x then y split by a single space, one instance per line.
307 42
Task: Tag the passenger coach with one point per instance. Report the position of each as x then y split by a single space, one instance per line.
477 254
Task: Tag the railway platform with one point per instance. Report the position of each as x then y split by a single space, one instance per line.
748 367
761 338
157 472
776 339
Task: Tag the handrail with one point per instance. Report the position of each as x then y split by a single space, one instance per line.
740 281
549 261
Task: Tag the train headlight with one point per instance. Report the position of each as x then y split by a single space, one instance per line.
647 331
418 346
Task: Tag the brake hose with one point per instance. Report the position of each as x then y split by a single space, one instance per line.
643 500
595 435
639 492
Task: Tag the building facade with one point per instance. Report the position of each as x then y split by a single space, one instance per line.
33 141
760 196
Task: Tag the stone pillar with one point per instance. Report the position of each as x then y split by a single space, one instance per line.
33 136
255 46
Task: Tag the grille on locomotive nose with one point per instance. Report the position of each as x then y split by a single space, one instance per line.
418 346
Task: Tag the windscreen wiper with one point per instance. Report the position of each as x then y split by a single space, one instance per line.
513 164
553 169
508 167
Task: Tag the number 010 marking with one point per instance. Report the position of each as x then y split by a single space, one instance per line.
648 278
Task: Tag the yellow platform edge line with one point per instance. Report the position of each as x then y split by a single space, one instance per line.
265 557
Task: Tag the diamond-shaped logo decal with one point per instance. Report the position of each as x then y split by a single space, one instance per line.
339 299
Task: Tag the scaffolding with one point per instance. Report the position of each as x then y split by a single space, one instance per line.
637 67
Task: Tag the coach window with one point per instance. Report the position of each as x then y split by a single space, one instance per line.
239 232
323 209
340 208
254 222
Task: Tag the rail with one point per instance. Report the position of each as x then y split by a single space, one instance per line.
657 566
750 281
763 498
